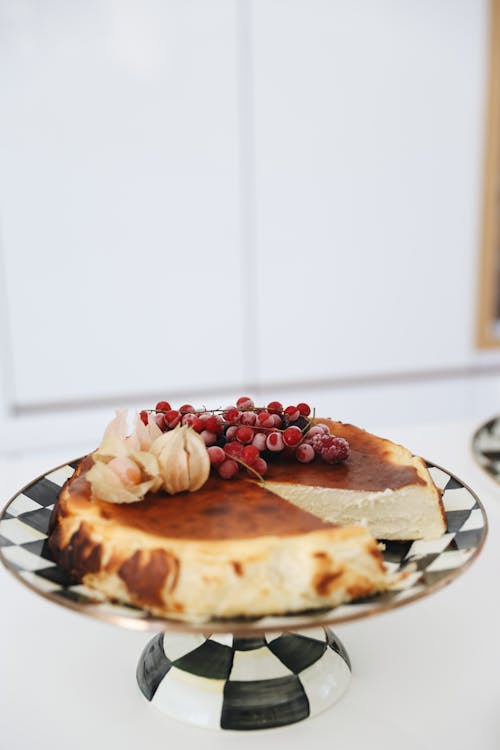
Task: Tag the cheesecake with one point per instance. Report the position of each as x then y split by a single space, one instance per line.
304 536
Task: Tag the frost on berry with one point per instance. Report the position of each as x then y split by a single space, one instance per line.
228 469
244 434
209 437
292 436
305 453
245 403
216 455
335 449
275 442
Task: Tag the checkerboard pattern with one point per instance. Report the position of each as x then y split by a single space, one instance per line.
221 681
23 548
486 447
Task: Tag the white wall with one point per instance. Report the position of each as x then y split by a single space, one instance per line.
198 198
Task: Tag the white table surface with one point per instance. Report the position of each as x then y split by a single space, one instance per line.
424 676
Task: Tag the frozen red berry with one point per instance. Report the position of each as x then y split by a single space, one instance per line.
163 406
198 424
259 440
231 432
292 436
228 469
292 413
304 409
172 418
305 453
232 415
248 418
245 403
213 424
316 429
274 407
244 435
315 440
275 441
216 455
209 437
144 417
186 409
260 466
264 419
249 454
188 419
160 421
233 448
335 449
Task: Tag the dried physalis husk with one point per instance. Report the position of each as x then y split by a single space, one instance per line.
183 459
107 485
146 434
123 472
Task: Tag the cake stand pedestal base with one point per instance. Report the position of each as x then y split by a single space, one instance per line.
226 682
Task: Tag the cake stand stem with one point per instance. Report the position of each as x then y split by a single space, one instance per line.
221 681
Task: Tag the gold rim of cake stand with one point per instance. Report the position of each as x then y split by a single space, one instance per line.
240 627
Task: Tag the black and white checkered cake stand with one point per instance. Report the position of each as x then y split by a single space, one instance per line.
243 673
486 447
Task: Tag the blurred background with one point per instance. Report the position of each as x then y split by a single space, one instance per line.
200 200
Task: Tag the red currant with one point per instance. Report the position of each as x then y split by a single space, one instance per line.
248 418
216 455
186 409
245 403
249 454
292 413
275 441
232 414
244 435
228 469
304 409
259 441
212 424
292 436
231 432
209 437
275 407
260 466
198 424
163 406
317 429
264 419
172 418
144 417
305 453
233 448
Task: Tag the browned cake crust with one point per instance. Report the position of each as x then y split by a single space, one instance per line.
233 547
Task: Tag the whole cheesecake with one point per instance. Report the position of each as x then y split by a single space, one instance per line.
303 537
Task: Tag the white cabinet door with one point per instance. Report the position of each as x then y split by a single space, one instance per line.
368 142
119 197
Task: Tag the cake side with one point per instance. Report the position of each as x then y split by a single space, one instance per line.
195 579
177 517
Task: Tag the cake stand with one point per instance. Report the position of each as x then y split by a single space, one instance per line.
486 447
242 674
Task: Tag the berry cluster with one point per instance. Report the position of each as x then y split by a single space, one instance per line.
236 437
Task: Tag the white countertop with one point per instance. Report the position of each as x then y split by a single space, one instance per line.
424 676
